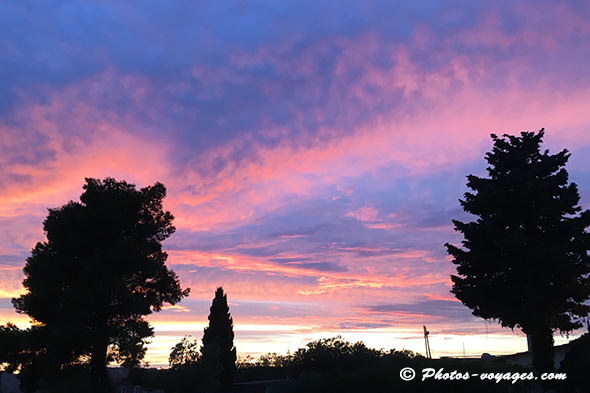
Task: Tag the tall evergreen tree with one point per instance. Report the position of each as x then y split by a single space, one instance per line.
525 260
218 338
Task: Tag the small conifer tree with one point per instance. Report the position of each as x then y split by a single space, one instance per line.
218 338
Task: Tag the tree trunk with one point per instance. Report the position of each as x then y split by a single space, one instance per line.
542 347
98 370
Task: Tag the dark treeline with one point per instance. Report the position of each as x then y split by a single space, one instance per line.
335 365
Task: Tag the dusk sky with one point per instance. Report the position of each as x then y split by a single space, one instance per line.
313 151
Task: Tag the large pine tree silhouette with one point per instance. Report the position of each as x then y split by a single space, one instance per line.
525 260
218 338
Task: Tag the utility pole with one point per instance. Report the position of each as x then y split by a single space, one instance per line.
427 343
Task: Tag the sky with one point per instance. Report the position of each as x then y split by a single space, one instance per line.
313 152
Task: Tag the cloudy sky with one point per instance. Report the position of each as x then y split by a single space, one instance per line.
313 152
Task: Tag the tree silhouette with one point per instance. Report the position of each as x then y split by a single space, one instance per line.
524 261
24 351
218 339
99 272
184 353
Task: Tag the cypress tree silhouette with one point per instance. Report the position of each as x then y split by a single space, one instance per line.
218 338
525 260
